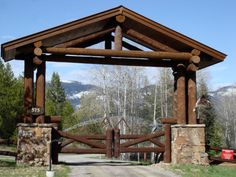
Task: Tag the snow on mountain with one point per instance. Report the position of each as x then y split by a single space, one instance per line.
74 90
224 91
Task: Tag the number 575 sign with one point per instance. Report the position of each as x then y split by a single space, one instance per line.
36 111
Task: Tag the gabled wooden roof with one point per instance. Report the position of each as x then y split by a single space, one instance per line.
135 27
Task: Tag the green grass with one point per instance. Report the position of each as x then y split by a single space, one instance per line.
8 148
8 168
204 171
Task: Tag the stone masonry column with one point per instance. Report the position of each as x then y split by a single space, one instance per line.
188 144
32 144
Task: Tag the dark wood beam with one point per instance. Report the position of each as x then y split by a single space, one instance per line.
167 154
141 149
181 94
86 38
127 45
40 90
28 89
181 56
143 139
83 151
192 98
149 41
111 61
80 139
168 120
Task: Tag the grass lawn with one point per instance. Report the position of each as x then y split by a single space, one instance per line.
8 168
204 171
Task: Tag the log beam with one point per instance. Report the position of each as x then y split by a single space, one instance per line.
180 56
109 142
83 151
118 38
127 45
120 18
111 61
28 90
181 94
167 154
168 120
87 38
153 43
117 143
142 139
175 93
141 149
81 139
40 90
192 97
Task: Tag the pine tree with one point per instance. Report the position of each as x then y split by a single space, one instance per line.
207 115
56 103
55 96
11 100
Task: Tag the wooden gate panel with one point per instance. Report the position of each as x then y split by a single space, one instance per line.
142 139
81 139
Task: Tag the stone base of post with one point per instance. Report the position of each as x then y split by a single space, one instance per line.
32 143
188 144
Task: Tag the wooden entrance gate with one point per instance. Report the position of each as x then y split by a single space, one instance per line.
113 143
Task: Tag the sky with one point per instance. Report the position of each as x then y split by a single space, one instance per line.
212 22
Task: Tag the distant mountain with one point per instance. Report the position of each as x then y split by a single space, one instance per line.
74 90
224 91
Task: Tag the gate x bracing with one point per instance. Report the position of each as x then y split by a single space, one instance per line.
112 144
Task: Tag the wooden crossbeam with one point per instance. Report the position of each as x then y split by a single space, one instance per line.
143 149
67 142
181 56
128 45
86 38
149 41
124 136
83 151
143 139
168 120
156 142
109 61
81 139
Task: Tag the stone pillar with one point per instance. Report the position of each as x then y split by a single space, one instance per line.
188 144
32 144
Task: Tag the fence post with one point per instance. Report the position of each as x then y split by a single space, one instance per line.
109 137
167 154
117 143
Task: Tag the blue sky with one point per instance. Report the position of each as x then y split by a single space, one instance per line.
211 22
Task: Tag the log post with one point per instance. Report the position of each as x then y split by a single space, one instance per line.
181 94
118 38
109 137
167 154
192 98
117 143
28 90
40 90
175 93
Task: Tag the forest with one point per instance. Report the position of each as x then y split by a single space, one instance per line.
125 96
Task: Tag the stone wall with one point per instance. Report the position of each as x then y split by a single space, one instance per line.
188 144
32 144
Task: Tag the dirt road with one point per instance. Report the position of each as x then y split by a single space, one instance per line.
92 166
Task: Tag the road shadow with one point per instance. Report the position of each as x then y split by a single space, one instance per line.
96 163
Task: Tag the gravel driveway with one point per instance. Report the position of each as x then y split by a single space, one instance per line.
93 166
